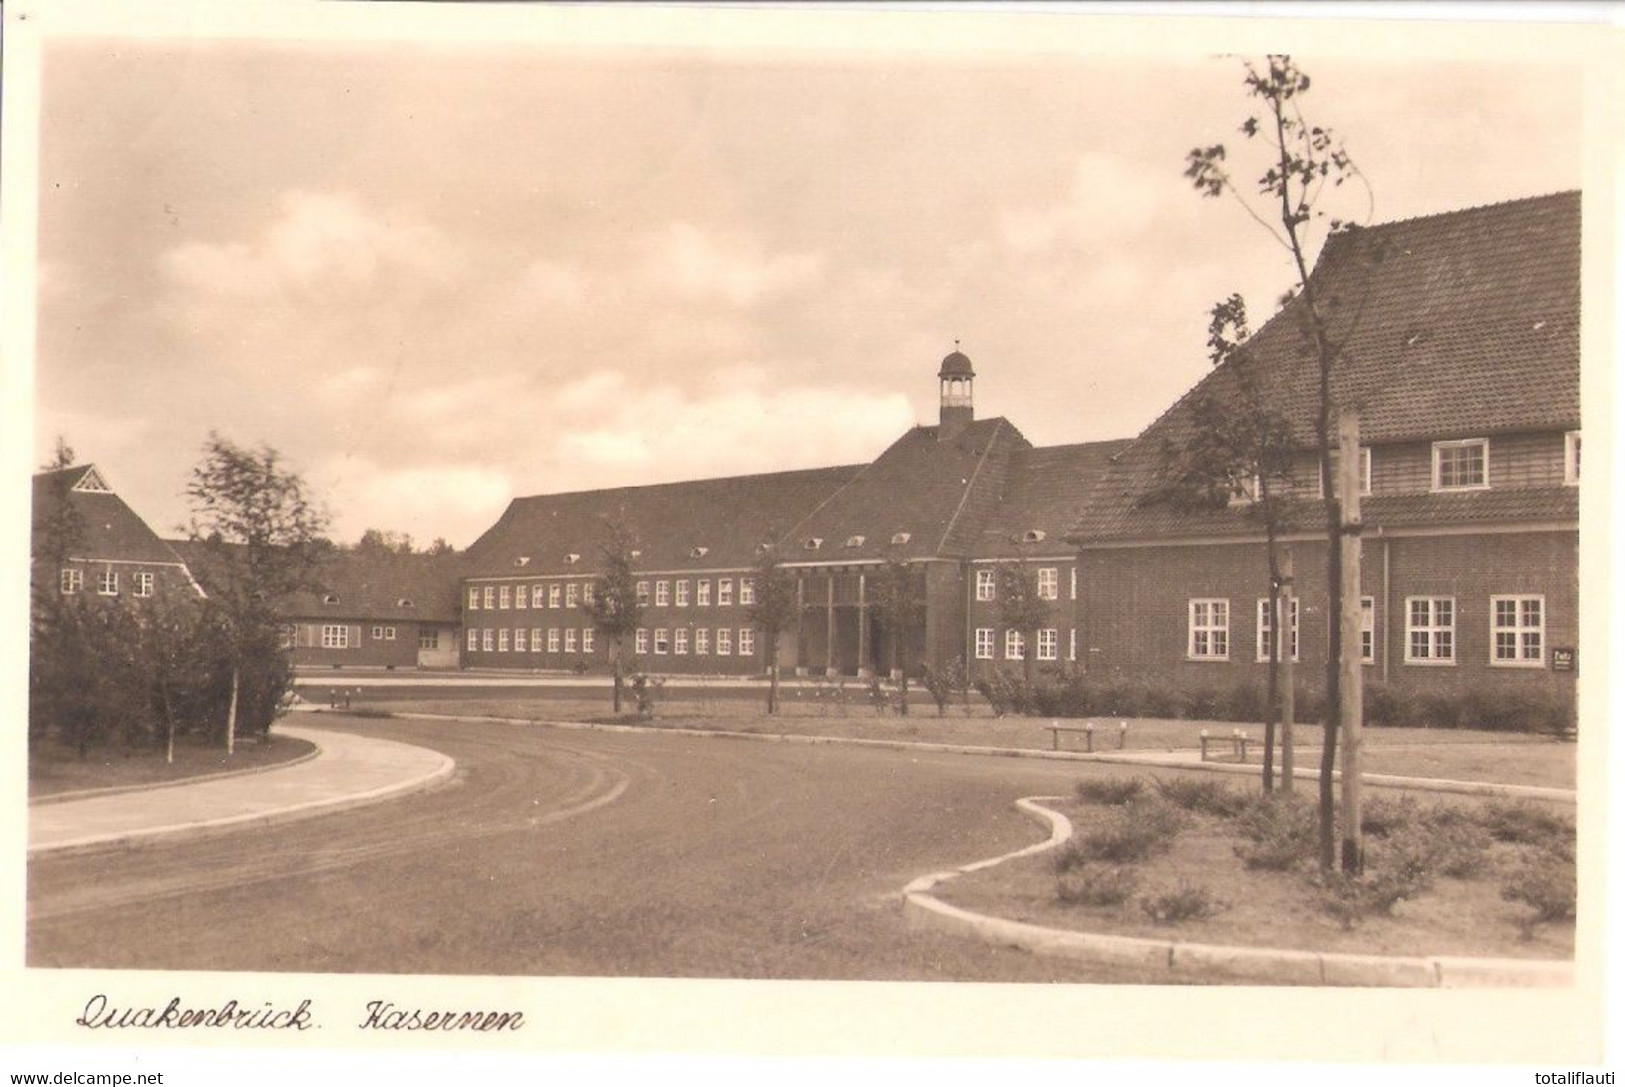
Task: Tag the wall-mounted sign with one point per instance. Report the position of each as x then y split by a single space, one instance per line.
1563 658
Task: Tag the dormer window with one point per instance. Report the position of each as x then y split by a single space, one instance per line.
899 538
813 543
330 598
572 558
1244 491
698 552
854 541
1461 465
1571 458
92 483
404 602
522 560
637 553
1032 535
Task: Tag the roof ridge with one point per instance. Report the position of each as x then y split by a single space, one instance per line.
1470 209
684 482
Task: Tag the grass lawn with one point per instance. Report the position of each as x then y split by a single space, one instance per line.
1270 909
54 767
1462 754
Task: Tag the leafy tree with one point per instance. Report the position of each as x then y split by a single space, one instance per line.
440 547
54 650
945 682
1238 449
773 610
613 607
1301 160
381 542
1021 608
262 535
898 607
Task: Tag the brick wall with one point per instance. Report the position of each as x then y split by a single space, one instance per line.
1134 606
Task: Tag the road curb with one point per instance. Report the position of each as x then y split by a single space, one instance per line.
441 773
119 790
1276 966
1387 781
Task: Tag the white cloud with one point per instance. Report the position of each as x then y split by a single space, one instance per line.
1110 199
693 263
455 501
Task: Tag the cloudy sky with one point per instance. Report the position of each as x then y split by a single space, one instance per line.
440 277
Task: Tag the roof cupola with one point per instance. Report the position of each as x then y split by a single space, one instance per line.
957 378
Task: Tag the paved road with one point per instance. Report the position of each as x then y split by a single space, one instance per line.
570 853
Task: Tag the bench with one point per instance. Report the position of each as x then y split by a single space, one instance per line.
1088 730
1237 743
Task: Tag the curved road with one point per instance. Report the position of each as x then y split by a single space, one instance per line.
577 853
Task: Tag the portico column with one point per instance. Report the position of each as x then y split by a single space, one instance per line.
829 620
864 671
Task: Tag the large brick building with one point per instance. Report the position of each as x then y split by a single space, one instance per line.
951 499
1460 350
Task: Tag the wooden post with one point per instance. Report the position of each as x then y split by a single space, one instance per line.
863 626
801 625
1283 621
1352 708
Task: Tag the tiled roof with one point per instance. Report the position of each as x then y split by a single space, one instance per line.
1045 490
728 518
938 492
109 528
367 585
1454 325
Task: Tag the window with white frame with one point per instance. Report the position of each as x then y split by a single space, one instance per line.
702 593
535 639
505 597
984 643
1074 573
1048 641
662 642
1430 630
502 640
1571 457
662 594
73 580
107 583
1368 630
1337 487
552 639
519 643
586 593
536 592
1266 630
640 641
679 642
702 641
680 599
473 640
725 642
570 639
747 590
143 583
1518 630
377 634
1049 583
1461 465
984 584
428 638
586 639
488 640
1014 645
643 594
286 636
725 591
747 641
489 595
521 596
473 598
1244 490
1208 637
335 636
554 592
572 595
1072 644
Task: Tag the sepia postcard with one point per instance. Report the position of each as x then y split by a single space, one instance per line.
589 538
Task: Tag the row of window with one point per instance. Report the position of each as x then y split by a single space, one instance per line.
1045 648
675 593
107 582
1517 630
337 636
1049 583
520 597
519 640
676 641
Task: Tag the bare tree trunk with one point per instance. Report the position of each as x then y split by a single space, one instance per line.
231 714
773 675
1272 693
1289 696
615 684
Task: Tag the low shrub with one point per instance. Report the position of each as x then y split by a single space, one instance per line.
1381 816
1436 709
1112 790
1527 823
1097 885
1161 702
1204 704
1454 848
1183 902
1281 833
1139 829
1245 703
1204 794
1352 899
1546 884
1387 706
